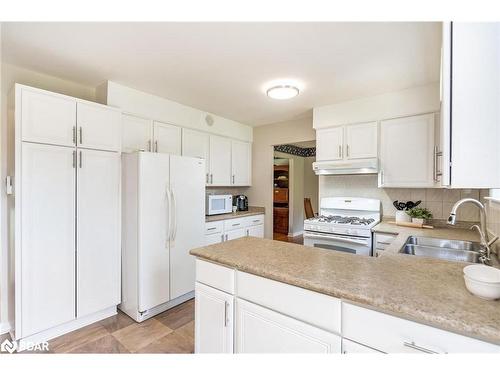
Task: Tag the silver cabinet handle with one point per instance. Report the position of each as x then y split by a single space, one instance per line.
221 238
233 179
74 159
236 224
207 179
340 151
149 145
436 154
212 228
347 150
156 146
211 178
80 161
81 135
74 135
226 318
412 345
226 237
248 232
256 221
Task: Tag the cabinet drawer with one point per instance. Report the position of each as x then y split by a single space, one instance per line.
390 334
280 195
318 309
381 241
216 276
234 223
214 227
254 220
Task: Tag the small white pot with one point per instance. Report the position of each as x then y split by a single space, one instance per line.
417 220
402 217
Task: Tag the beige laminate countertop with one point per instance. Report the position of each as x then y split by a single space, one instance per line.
428 291
252 210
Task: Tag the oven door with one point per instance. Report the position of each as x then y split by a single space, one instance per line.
337 242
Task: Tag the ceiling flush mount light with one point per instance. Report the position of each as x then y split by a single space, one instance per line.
282 92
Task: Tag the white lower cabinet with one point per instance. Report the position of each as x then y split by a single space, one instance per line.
256 231
213 320
234 234
260 330
226 230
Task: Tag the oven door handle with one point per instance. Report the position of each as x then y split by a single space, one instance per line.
343 239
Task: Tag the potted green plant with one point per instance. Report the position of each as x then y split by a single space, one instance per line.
419 215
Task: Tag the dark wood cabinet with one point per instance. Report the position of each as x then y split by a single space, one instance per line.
280 195
280 220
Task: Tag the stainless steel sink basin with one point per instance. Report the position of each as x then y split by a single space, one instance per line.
454 250
441 253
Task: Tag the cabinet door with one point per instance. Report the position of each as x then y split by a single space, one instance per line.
406 152
241 156
213 320
98 231
361 141
98 127
167 138
48 118
47 259
329 144
259 330
256 231
137 133
235 233
220 161
211 239
187 177
197 145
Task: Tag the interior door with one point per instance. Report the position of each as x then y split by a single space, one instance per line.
47 118
98 127
47 260
154 226
329 144
197 144
167 138
361 141
240 163
406 152
220 161
213 320
137 133
98 231
187 183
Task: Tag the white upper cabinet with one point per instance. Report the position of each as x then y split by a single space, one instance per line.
47 228
329 144
361 141
406 152
48 118
220 161
167 138
240 163
470 105
98 127
137 133
197 145
99 231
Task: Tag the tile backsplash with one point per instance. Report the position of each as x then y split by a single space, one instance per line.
438 201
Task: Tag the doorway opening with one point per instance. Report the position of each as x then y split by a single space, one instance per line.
295 189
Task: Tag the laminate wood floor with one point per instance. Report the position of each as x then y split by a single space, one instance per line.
283 237
169 332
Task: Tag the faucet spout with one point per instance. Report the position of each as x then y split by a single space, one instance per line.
482 218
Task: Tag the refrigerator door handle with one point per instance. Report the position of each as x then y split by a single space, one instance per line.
169 215
174 216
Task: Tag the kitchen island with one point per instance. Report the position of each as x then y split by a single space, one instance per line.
336 300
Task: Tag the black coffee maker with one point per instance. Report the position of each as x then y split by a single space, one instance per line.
241 202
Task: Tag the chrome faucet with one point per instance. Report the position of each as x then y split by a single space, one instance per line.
485 251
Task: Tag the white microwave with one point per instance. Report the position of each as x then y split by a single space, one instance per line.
219 204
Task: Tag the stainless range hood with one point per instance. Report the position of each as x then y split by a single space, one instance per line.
343 167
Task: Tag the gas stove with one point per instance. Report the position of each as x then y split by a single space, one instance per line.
344 224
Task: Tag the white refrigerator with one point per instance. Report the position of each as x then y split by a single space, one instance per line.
163 217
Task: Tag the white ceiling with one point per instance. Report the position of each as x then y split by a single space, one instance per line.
222 67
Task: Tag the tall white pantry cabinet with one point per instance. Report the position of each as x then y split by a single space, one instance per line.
65 209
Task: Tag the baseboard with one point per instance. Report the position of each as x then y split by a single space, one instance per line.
296 234
4 328
140 317
62 329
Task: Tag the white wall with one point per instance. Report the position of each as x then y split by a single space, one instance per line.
11 74
264 138
161 109
311 185
412 101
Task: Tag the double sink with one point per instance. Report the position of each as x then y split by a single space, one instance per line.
454 250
